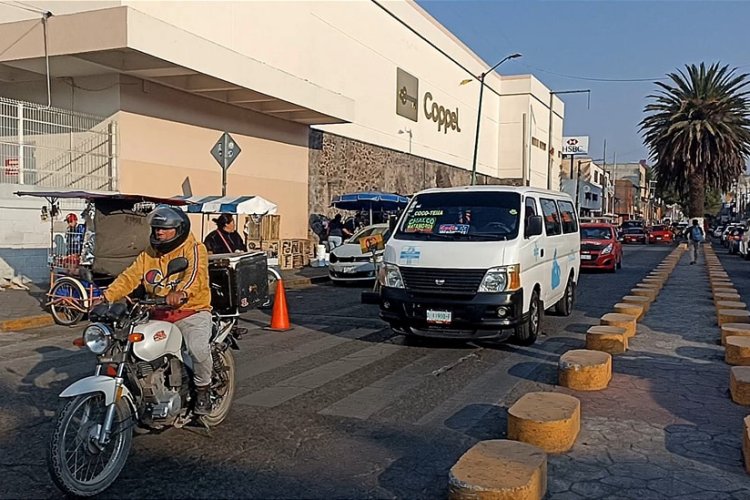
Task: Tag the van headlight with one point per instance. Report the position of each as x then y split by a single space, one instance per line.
391 276
97 338
501 279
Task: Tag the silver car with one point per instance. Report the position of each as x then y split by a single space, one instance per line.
347 263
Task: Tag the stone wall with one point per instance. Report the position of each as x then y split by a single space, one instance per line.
340 165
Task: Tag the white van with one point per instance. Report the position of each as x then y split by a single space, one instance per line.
480 262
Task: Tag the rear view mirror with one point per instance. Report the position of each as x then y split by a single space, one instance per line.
176 266
533 226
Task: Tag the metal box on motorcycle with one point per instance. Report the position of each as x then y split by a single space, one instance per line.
239 281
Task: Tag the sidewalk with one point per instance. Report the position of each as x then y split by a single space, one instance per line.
666 425
23 309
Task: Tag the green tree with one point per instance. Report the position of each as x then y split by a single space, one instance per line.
697 130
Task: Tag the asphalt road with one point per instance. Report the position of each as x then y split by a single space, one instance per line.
337 408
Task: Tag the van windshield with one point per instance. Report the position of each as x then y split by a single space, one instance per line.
470 216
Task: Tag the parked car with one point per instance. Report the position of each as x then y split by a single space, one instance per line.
634 235
744 248
725 234
717 232
600 248
734 238
347 264
660 234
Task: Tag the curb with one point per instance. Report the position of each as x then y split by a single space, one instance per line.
26 322
303 282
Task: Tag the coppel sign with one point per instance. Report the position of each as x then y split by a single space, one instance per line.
407 97
578 145
444 117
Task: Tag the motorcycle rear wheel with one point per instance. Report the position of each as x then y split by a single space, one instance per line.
92 470
222 387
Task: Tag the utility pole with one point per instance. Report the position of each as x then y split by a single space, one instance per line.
552 94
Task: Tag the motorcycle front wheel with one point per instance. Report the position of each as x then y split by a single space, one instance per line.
222 387
77 464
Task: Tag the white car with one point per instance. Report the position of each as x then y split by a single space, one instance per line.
348 264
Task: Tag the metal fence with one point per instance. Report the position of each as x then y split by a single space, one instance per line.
56 148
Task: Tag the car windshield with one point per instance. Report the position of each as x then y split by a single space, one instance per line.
369 231
596 233
634 230
470 216
658 228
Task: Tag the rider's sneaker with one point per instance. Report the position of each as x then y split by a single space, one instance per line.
202 400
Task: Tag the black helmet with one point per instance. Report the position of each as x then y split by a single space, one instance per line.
167 217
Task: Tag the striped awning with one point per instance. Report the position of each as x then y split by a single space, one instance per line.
245 205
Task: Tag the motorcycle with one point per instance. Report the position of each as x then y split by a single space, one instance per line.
143 381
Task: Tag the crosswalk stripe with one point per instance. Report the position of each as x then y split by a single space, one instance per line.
311 379
363 403
273 361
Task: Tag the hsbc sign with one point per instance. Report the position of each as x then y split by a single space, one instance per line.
578 145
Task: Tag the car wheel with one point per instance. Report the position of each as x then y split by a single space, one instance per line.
527 333
565 305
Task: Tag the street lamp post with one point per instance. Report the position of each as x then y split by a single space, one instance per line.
479 113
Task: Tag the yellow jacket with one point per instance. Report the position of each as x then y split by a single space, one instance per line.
149 268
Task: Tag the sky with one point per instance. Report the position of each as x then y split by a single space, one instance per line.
620 40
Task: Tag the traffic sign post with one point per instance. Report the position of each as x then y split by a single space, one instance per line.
225 151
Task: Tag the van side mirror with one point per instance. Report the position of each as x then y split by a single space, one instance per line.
392 221
177 266
533 226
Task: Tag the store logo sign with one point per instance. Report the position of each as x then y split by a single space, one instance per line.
445 118
407 92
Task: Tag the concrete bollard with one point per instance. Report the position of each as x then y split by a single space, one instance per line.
548 420
733 316
737 352
730 304
739 384
625 321
746 442
734 329
629 308
609 339
734 297
584 370
644 302
651 293
499 469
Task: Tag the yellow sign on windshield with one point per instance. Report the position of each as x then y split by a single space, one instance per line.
372 243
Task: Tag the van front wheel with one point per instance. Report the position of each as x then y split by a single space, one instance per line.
527 333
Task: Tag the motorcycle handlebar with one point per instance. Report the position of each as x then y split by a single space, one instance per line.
156 301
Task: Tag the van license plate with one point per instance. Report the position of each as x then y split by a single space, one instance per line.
439 317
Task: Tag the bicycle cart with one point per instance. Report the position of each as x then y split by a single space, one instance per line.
83 263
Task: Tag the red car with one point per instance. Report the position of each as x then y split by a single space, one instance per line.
660 234
599 247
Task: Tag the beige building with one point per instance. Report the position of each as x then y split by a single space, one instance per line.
322 97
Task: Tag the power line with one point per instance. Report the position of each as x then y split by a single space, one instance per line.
594 79
20 5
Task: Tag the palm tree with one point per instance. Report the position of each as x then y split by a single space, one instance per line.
698 131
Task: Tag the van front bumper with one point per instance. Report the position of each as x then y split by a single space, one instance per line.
472 317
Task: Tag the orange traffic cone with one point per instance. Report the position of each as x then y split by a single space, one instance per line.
280 314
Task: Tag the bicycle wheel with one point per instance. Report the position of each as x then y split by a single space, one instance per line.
66 302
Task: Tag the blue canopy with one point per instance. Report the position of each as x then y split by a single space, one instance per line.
369 201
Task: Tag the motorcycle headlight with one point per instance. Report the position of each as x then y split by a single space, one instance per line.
391 276
97 338
501 279
607 249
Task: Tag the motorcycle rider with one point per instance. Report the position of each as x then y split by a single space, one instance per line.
188 293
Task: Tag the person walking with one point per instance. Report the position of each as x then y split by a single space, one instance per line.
695 237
